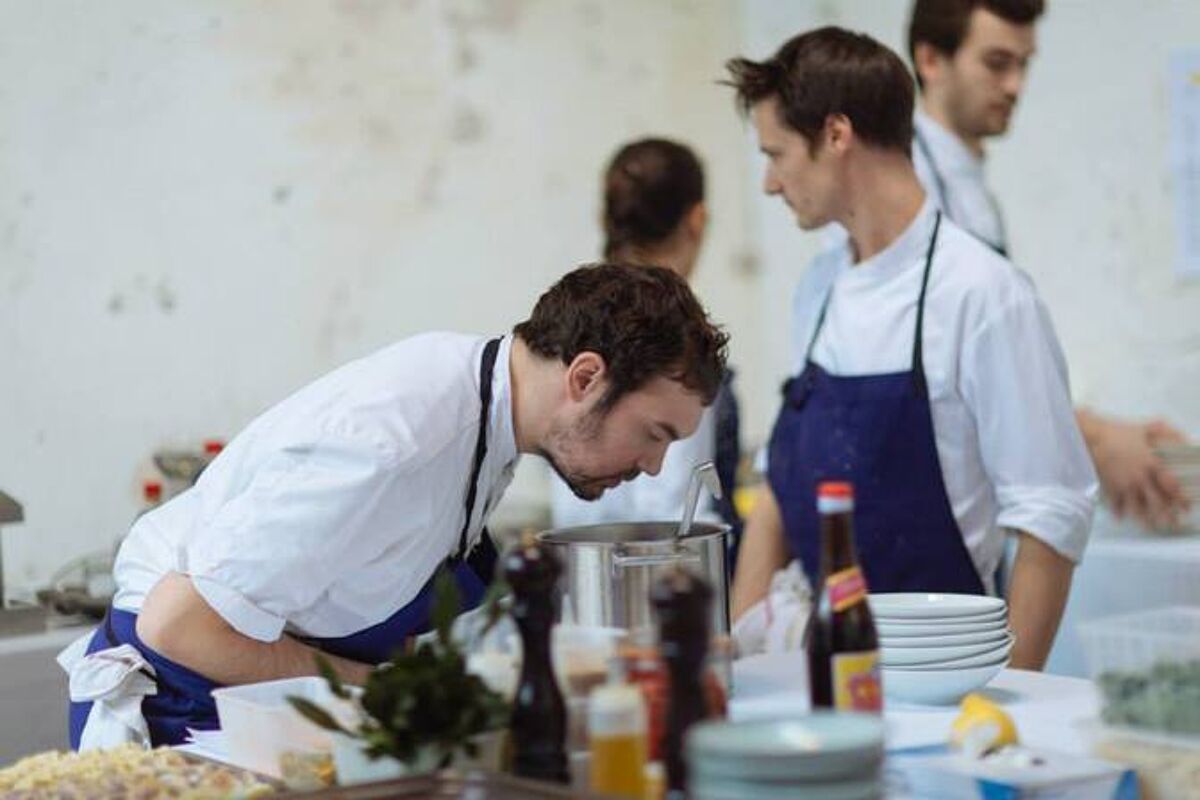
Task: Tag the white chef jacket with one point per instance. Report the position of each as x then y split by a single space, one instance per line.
647 498
1009 447
955 179
331 511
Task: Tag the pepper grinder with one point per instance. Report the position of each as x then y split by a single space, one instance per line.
682 601
539 715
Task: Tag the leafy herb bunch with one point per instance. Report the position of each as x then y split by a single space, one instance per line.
421 699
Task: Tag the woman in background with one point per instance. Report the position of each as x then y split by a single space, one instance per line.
654 214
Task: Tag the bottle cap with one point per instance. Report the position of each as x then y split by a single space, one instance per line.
838 489
213 446
151 491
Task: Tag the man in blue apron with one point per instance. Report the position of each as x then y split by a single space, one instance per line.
321 525
931 376
971 58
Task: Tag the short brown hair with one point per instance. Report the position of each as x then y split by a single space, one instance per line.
943 23
832 71
643 321
649 186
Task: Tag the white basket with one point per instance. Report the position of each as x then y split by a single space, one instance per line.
260 725
1136 659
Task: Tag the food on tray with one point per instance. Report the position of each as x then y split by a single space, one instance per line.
125 771
1166 697
306 771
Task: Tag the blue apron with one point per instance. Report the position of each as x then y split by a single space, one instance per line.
875 431
184 698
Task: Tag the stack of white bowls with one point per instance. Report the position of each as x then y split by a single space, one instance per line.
1183 460
822 756
936 648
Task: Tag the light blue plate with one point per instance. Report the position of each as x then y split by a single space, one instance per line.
822 746
711 789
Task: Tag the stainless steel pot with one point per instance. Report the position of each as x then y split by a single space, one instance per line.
608 569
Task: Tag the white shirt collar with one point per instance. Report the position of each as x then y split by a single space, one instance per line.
906 249
950 153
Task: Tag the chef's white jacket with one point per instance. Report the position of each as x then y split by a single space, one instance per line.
331 510
1010 450
962 191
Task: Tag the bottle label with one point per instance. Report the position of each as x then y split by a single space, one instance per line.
846 588
856 685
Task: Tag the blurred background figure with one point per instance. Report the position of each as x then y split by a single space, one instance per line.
971 59
654 214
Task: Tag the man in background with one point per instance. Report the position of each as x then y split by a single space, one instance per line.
971 58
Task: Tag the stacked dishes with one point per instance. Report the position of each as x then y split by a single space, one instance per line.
1183 460
824 755
936 648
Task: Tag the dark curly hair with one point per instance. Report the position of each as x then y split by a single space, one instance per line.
649 186
643 321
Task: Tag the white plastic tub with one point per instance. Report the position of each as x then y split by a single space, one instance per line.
1148 667
260 725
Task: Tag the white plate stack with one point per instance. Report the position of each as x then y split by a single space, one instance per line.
822 756
936 648
1183 460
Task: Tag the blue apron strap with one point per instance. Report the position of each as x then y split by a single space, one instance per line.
918 362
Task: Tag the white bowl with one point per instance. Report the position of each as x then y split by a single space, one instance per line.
948 656
936 687
982 637
895 629
260 725
934 606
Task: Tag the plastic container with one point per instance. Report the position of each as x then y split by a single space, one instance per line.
260 725
1147 666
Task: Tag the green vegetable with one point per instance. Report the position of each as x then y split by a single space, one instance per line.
421 699
1167 697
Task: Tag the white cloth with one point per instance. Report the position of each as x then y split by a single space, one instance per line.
963 192
1009 447
777 623
114 682
647 498
330 511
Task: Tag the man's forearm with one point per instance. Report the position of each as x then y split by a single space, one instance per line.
178 623
763 551
1037 595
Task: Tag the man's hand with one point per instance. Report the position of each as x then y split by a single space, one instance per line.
1134 478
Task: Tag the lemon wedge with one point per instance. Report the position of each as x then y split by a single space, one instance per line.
981 727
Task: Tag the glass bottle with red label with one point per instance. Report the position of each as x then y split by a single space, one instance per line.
842 644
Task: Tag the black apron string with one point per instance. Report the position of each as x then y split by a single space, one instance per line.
487 366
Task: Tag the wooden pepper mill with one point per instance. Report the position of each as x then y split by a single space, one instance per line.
682 601
539 715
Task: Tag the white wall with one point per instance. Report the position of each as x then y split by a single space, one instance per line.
205 205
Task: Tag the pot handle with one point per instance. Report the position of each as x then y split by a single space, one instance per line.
620 561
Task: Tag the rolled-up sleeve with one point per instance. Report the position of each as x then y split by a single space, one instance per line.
1014 379
302 520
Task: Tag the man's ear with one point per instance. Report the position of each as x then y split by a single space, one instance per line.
696 221
584 375
928 63
838 133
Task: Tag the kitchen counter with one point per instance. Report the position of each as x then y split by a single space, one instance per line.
33 692
1049 710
